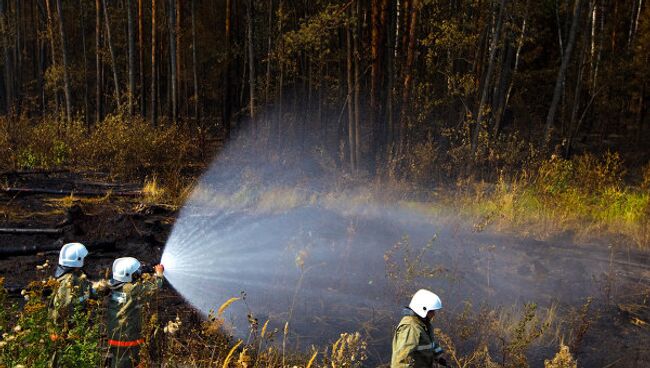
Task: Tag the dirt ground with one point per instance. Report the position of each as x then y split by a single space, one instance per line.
120 225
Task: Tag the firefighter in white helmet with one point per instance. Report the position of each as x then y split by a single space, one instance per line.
73 288
128 290
413 342
70 295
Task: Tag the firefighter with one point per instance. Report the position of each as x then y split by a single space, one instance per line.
413 342
73 287
128 291
72 292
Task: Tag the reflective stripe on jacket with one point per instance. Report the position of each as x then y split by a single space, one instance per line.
413 344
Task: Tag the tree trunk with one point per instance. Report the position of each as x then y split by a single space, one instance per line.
154 110
180 90
143 95
357 87
280 113
350 100
486 81
40 51
116 84
227 108
18 49
194 62
9 74
557 91
50 33
172 56
85 63
408 75
131 41
99 115
251 63
378 18
268 54
506 100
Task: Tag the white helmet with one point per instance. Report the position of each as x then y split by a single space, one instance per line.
424 301
72 255
124 268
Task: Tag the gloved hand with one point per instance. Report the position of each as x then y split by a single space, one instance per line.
159 269
442 361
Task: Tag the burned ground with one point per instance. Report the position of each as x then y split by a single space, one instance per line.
501 268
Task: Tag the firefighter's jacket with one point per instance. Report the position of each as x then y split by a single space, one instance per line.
73 290
413 343
124 311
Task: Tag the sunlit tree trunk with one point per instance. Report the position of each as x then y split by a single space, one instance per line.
131 56
143 95
154 101
99 112
172 55
116 84
408 74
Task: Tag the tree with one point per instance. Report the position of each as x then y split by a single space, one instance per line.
154 77
251 62
408 73
99 113
172 56
116 83
195 76
143 98
480 113
8 77
64 53
557 91
131 55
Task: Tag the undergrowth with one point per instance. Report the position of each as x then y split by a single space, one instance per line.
507 183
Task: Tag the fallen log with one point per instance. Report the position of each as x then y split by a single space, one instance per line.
105 184
26 250
67 192
22 250
34 172
30 231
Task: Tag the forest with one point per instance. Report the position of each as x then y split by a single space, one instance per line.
519 128
375 81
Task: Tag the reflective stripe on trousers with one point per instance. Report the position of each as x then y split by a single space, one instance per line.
436 349
125 344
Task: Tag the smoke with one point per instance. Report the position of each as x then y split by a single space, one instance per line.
305 243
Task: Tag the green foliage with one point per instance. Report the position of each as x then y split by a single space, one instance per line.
585 194
28 338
